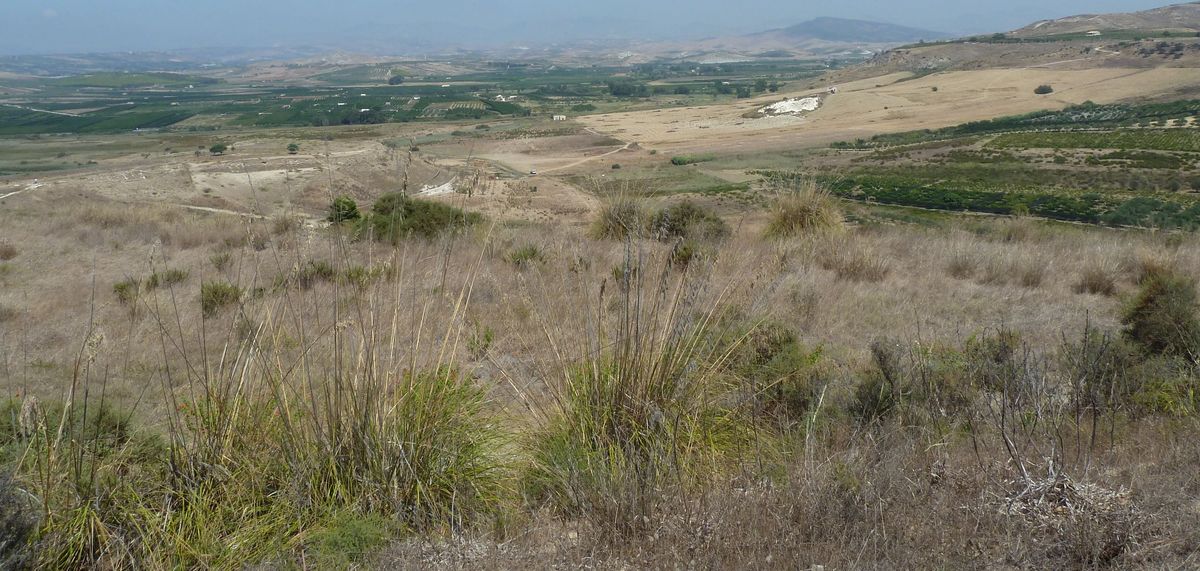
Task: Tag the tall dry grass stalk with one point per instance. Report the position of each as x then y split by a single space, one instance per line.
641 411
282 413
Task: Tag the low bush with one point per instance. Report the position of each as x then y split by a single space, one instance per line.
684 160
215 296
687 220
343 209
7 251
396 217
782 378
1163 317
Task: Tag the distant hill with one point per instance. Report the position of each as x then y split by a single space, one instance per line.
854 32
1182 18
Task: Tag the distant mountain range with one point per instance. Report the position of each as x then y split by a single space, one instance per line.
841 30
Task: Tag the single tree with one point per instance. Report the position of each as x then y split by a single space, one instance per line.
218 149
293 149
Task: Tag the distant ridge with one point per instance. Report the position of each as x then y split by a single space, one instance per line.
843 30
1177 17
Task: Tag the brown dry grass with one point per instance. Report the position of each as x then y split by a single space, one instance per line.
841 492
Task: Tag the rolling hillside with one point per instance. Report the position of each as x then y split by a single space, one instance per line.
1181 18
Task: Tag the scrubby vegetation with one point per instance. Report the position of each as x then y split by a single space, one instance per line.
382 405
395 217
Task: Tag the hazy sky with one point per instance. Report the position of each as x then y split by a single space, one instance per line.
67 26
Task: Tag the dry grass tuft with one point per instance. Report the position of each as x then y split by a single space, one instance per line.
621 216
853 261
1098 278
804 208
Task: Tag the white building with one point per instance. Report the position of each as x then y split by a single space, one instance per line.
560 117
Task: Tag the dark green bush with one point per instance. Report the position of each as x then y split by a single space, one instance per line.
396 217
343 209
687 220
17 523
683 160
1162 318
1043 90
784 377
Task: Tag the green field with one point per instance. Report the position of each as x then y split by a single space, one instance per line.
1182 139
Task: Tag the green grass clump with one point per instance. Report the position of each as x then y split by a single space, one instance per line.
526 256
215 296
396 217
166 279
127 291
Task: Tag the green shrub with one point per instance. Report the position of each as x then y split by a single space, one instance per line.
782 377
218 149
683 160
343 209
215 296
293 148
1162 318
687 220
396 217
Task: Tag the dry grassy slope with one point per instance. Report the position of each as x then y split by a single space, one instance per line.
1183 17
889 103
